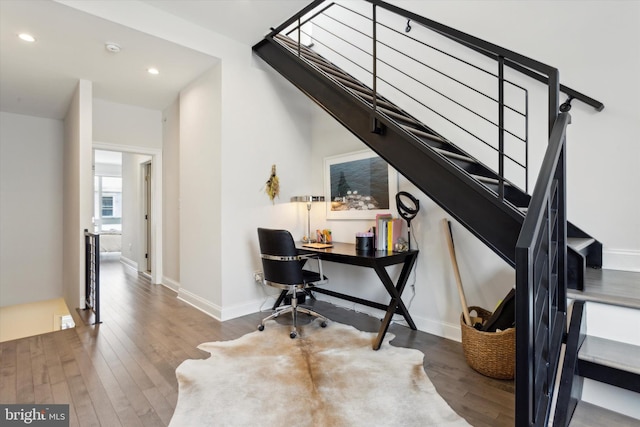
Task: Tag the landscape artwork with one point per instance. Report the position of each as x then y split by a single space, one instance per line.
359 186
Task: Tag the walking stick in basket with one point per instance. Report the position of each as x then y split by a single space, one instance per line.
452 253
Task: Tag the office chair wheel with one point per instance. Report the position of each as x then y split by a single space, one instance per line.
261 328
293 334
323 324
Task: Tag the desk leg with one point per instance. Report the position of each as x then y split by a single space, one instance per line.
396 301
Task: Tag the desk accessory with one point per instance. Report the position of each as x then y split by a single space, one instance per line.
364 242
407 211
317 245
308 200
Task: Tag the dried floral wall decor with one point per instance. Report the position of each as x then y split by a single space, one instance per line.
272 188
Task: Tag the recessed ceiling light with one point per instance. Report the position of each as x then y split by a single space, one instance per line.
27 37
153 71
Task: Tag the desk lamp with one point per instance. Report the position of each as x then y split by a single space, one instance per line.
308 200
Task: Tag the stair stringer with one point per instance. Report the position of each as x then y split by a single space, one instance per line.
495 223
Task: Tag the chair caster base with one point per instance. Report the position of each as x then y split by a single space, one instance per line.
261 328
293 334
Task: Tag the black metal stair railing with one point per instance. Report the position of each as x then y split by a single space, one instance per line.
304 29
499 111
541 286
379 64
92 274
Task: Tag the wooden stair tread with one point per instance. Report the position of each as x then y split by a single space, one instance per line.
614 354
579 243
589 415
606 286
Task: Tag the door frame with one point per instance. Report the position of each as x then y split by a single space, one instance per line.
147 218
156 199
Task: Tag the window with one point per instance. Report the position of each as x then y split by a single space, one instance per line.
107 203
107 206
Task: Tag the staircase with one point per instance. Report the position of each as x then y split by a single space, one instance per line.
488 204
601 369
529 232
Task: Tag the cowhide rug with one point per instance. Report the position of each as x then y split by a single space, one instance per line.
326 377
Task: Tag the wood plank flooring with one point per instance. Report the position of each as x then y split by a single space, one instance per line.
122 372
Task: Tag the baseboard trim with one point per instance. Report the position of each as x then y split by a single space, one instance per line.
430 326
170 284
620 259
200 303
240 310
129 262
219 313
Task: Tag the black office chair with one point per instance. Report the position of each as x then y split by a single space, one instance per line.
282 266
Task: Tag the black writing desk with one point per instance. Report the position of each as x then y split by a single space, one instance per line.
345 253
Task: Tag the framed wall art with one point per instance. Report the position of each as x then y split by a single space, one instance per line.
359 185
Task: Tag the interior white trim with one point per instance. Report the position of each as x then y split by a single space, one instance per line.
156 199
129 262
200 303
434 327
620 259
171 284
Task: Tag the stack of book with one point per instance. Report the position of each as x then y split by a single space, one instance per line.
388 231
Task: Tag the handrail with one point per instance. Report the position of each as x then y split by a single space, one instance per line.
541 285
545 177
498 53
92 273
532 68
465 38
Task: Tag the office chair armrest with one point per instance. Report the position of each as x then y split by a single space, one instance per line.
308 256
316 257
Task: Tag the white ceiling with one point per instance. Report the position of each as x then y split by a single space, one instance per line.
39 79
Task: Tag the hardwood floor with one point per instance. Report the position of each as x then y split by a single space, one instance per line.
122 372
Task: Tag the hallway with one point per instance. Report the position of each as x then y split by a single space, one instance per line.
122 372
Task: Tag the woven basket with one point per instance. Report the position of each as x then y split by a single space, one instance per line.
491 353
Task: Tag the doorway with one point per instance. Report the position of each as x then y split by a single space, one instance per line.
147 213
141 243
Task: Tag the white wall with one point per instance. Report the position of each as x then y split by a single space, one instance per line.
171 196
30 208
78 192
133 247
124 124
265 121
435 307
131 129
200 182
